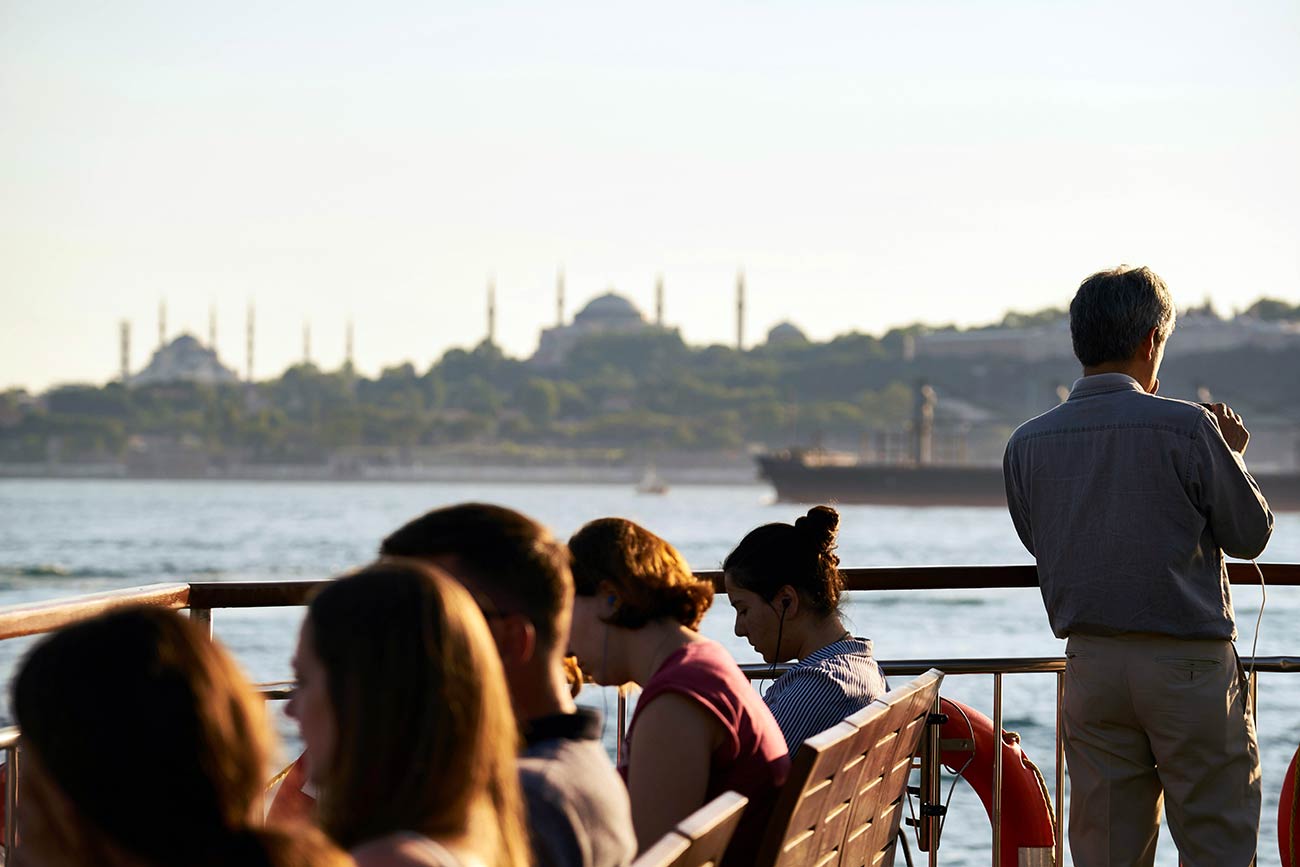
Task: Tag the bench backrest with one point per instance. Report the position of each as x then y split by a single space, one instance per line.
700 839
842 802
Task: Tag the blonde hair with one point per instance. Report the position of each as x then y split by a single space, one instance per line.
426 739
176 763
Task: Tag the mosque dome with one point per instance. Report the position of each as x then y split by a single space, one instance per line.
609 308
185 359
785 333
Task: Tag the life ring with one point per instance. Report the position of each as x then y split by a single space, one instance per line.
289 802
1027 815
1286 815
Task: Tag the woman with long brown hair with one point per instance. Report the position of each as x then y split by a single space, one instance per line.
407 722
699 728
144 746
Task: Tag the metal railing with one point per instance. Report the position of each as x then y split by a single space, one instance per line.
203 598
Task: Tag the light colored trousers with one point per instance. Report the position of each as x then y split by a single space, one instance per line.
1148 717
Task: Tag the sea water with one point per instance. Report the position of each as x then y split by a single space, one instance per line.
62 538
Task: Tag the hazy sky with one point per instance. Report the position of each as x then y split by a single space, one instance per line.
867 163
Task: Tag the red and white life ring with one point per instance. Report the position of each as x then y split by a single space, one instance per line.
1287 806
1027 816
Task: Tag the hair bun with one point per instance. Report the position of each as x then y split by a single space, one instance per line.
820 525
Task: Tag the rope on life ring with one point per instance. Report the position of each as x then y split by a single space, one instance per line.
1027 815
1287 806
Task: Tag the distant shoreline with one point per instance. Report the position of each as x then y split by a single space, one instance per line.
450 473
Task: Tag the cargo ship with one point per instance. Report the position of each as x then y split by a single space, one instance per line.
817 476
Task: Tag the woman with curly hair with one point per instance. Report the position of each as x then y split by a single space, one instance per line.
699 728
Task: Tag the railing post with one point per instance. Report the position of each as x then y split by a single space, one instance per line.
11 799
621 732
997 770
932 789
1059 819
202 617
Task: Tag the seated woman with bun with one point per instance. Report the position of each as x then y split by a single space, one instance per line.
144 746
700 728
785 584
403 709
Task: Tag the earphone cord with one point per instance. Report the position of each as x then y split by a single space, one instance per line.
780 626
1259 621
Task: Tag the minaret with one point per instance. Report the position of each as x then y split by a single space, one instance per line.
249 338
740 309
125 345
559 298
162 323
306 342
347 347
659 301
492 312
212 327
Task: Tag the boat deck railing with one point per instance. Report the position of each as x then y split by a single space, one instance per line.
202 598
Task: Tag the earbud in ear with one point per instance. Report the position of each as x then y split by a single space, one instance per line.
785 603
611 599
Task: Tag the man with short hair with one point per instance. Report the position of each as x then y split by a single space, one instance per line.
578 810
1128 503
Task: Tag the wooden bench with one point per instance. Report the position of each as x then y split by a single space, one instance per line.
700 839
843 802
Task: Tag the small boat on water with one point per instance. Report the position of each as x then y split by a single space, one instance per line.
651 483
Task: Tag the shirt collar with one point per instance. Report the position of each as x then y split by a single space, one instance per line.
581 725
836 648
1101 383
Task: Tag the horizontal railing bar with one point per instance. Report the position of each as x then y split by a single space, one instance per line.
35 617
31 618
1002 665
251 594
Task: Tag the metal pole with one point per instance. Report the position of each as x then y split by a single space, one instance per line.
1059 819
622 726
997 770
11 799
933 786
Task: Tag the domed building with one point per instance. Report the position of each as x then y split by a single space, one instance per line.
184 360
610 313
785 334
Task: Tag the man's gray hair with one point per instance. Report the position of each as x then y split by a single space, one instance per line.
1113 312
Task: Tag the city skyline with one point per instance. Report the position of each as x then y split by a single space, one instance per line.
868 165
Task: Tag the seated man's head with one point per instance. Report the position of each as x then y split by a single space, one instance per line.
1119 322
518 573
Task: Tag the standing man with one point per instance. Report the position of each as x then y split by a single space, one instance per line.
578 809
1128 503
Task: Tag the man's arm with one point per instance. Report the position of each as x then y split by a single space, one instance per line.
1227 494
1015 502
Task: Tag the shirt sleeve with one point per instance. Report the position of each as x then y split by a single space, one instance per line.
1015 499
1227 494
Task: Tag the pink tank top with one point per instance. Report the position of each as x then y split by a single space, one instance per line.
752 758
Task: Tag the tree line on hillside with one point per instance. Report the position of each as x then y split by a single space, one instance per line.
646 391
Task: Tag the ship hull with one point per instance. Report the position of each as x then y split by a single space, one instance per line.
797 481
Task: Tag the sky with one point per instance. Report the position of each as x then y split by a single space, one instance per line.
868 164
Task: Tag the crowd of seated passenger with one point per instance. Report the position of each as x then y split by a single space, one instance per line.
435 704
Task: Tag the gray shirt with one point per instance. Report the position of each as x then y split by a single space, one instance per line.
578 809
1128 502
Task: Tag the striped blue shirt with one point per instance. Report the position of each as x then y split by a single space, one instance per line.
823 688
